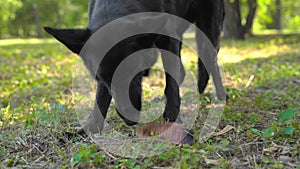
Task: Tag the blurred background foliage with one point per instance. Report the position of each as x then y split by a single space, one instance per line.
25 18
266 15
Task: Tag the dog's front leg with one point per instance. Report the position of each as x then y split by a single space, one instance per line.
170 48
135 96
101 105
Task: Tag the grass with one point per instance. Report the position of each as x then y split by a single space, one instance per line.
262 80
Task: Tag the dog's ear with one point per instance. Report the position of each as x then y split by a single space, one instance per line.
74 39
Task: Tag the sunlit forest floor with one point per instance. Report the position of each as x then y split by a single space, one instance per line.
262 115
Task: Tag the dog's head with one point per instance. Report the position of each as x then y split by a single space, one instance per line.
76 39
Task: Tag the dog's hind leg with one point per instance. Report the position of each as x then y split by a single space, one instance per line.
209 19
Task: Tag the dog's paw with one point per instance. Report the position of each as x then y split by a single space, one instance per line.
223 97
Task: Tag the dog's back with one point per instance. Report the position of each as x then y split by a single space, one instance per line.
109 10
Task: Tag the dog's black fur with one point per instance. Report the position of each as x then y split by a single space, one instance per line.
207 15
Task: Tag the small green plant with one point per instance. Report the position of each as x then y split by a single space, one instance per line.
254 118
234 93
266 160
86 155
127 163
284 126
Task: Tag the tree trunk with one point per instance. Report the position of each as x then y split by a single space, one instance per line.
56 10
252 4
37 21
277 18
232 24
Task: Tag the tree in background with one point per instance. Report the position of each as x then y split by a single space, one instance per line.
234 27
277 16
243 16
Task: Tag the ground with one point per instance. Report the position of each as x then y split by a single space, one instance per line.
259 127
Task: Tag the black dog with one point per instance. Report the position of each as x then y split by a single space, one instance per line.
207 15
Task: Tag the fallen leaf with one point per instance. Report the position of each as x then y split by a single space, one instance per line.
174 132
211 162
272 149
225 130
